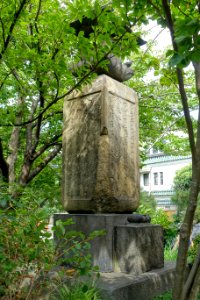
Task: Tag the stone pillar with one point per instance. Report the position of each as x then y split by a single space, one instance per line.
100 149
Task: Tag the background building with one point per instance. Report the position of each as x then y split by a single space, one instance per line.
157 175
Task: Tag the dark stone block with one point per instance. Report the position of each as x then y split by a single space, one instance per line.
138 248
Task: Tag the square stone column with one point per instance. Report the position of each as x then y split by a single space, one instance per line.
100 149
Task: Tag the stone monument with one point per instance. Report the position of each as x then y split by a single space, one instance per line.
100 190
100 187
100 149
101 177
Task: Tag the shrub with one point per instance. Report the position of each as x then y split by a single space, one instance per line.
158 216
27 253
193 250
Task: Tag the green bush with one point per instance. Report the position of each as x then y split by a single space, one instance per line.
158 216
25 248
192 252
27 253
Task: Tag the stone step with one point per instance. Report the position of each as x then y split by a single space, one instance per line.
122 286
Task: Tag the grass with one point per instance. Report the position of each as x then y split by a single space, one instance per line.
166 296
80 291
170 254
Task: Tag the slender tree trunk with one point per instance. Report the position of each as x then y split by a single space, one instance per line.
191 278
194 190
14 144
3 164
195 287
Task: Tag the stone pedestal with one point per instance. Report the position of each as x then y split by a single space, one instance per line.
129 248
100 149
138 248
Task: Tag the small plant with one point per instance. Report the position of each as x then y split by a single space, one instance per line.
73 247
192 252
27 253
80 291
170 254
158 216
165 296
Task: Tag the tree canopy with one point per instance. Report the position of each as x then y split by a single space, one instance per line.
38 48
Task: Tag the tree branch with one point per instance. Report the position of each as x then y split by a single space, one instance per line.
192 274
12 26
80 81
44 163
54 141
3 32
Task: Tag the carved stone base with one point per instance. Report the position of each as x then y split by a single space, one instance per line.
129 248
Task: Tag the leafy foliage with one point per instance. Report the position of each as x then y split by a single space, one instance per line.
147 200
193 250
38 50
76 292
170 254
158 216
182 184
166 296
27 252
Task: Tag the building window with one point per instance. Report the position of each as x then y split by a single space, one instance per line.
161 178
146 179
155 177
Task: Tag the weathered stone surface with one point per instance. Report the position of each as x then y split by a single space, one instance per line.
138 248
130 248
118 286
100 149
101 247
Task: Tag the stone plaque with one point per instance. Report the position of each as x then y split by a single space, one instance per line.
100 149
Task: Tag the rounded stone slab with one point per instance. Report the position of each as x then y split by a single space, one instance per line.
100 149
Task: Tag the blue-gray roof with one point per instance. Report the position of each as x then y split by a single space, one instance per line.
164 202
163 193
165 158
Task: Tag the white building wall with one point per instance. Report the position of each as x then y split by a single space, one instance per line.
167 166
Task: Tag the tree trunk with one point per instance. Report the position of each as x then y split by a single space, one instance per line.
3 164
195 150
14 144
195 287
191 278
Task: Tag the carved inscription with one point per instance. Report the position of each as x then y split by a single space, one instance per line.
81 147
123 156
100 156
